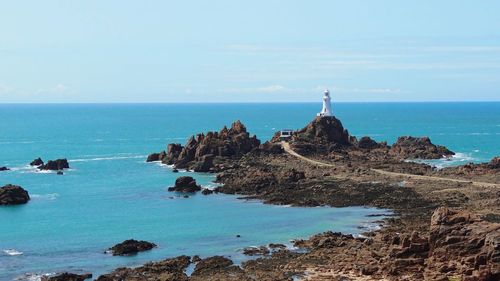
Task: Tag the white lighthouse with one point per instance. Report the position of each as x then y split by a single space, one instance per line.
327 107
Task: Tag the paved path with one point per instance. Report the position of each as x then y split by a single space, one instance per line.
289 150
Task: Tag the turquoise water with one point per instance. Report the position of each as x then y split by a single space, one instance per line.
111 194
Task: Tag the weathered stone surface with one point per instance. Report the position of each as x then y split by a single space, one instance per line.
13 195
68 277
166 270
418 148
185 184
131 247
201 151
37 162
55 165
154 157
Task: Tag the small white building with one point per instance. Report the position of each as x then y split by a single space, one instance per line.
286 134
327 106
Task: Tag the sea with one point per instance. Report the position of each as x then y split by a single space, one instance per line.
111 194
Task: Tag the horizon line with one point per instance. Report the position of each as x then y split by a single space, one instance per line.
242 102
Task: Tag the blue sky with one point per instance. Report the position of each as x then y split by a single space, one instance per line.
249 51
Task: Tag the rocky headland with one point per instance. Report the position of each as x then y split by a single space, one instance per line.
446 223
207 152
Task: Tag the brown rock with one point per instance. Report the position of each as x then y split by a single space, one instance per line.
13 195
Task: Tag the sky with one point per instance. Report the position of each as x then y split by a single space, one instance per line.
97 51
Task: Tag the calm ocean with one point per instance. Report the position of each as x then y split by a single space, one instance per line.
111 194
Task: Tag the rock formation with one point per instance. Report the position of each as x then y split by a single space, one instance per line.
131 247
154 157
166 270
55 165
37 162
201 152
3 169
464 244
418 148
67 277
186 185
13 195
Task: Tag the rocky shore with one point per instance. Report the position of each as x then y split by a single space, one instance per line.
446 225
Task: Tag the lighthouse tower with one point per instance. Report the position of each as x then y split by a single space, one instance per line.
327 107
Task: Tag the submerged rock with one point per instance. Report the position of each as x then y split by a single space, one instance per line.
13 195
55 165
131 247
2 169
37 162
256 251
185 184
418 148
67 277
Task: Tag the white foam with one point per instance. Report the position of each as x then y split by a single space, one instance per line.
49 196
12 252
455 160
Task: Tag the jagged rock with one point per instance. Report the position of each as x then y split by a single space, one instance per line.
131 247
418 148
200 151
323 130
67 277
463 242
256 251
55 165
185 184
154 157
494 163
166 270
207 191
13 195
205 164
211 265
368 143
2 169
271 147
37 162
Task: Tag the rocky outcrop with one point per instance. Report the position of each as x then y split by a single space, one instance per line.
13 195
186 185
368 143
131 247
3 169
167 270
37 162
418 148
55 165
67 277
201 151
154 157
323 130
256 251
462 243
212 265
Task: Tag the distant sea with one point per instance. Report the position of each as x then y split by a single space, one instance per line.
110 194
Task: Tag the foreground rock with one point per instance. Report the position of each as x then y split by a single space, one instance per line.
37 162
13 195
68 277
203 152
131 247
418 148
55 165
3 169
186 185
167 270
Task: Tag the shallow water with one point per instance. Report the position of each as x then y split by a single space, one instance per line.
111 194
